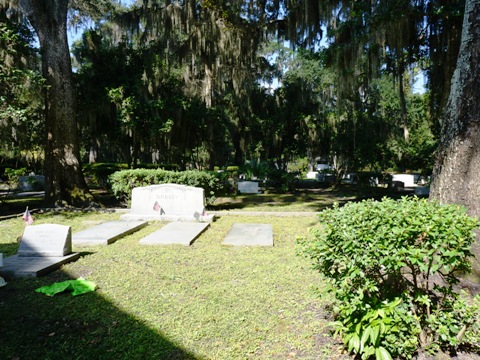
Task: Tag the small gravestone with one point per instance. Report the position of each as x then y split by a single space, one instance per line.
422 190
249 235
46 240
248 187
43 249
181 233
408 180
31 183
169 202
107 233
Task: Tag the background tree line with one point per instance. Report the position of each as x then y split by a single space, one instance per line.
144 94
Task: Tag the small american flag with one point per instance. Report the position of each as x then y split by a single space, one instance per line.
27 217
156 206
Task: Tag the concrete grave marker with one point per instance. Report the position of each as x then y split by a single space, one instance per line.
107 233
175 233
408 180
248 187
46 240
43 249
169 202
249 235
31 183
422 190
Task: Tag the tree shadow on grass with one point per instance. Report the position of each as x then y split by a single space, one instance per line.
35 326
313 199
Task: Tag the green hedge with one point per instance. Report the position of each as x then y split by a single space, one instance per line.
392 267
122 182
97 174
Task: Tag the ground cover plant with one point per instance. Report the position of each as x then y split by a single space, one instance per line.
392 267
206 301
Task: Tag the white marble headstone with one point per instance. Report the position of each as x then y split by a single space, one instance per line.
407 179
171 202
49 240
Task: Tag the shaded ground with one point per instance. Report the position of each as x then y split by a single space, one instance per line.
306 198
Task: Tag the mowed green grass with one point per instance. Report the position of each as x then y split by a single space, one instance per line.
206 301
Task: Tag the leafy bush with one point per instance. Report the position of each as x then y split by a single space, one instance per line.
283 181
12 175
122 182
98 174
392 266
232 169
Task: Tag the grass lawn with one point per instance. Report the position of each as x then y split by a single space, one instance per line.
206 301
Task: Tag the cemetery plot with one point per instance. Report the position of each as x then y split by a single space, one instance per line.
249 235
107 233
168 202
43 249
183 233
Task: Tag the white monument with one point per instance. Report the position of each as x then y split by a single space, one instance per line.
407 179
169 202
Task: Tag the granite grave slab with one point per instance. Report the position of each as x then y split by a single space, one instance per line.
249 235
183 233
107 232
168 202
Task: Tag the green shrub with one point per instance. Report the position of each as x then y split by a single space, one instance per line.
232 169
122 182
97 174
392 266
283 181
12 175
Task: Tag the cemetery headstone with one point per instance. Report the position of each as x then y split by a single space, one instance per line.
422 190
169 202
31 183
407 179
43 249
46 240
248 187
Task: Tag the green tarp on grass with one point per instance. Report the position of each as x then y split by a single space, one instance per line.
78 287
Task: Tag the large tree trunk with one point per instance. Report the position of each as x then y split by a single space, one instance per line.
63 173
456 177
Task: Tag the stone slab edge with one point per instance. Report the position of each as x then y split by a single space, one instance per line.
206 218
18 266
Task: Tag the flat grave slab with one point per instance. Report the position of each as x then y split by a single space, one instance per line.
43 249
107 232
183 233
30 266
249 235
